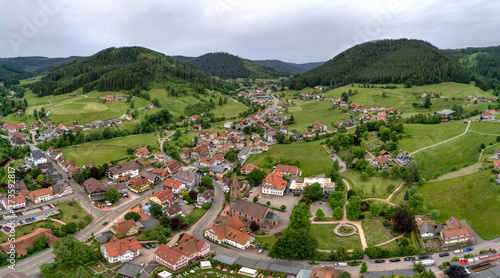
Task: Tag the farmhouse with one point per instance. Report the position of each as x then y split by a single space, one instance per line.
121 250
317 126
403 159
187 250
446 112
231 231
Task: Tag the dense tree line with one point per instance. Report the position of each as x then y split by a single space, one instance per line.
403 61
8 72
485 64
226 66
36 65
123 68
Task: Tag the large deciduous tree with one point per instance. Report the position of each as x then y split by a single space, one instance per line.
294 244
403 221
299 219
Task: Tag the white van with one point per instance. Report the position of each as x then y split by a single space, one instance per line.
458 251
425 262
340 264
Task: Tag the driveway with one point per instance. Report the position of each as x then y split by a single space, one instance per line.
335 156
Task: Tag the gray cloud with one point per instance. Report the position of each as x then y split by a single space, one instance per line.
294 31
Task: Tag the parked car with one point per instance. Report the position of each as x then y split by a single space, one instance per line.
340 264
151 245
250 192
145 245
409 259
468 249
40 208
379 261
260 251
444 254
395 260
105 223
423 257
458 251
247 195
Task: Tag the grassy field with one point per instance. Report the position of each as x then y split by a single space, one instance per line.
313 160
231 109
374 232
265 241
472 198
365 188
451 156
486 127
328 240
421 135
68 212
306 113
26 229
87 110
106 150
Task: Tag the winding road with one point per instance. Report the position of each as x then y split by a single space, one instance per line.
445 141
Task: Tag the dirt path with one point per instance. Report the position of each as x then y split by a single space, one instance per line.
388 198
385 242
445 141
458 92
464 171
344 220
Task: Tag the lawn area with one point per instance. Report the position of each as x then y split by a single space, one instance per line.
472 198
28 228
451 156
68 211
313 159
486 127
231 109
421 135
365 188
330 241
27 118
265 241
104 151
306 113
392 246
375 232
195 216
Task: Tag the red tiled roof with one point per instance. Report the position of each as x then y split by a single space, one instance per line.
287 168
25 241
381 159
172 183
123 227
164 195
118 247
276 179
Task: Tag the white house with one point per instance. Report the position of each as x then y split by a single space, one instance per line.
121 250
205 197
274 184
17 202
37 157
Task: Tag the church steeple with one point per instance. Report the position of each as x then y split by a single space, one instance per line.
235 189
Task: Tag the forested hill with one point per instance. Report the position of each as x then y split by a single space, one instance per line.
483 61
36 65
225 65
123 68
288 67
385 61
8 72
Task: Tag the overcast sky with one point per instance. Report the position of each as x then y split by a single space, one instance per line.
292 31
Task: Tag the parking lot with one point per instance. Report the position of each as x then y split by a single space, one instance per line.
30 216
277 201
